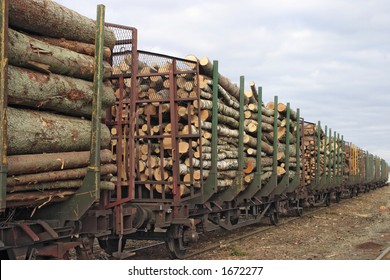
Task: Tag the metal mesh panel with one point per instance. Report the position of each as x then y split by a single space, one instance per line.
152 119
164 134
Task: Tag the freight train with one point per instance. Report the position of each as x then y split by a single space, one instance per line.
188 151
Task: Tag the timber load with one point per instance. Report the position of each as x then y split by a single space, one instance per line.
155 161
50 92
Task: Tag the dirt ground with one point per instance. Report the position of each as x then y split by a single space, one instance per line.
355 229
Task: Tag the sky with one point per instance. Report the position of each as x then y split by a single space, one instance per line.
330 58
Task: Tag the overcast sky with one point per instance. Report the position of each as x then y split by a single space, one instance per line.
330 58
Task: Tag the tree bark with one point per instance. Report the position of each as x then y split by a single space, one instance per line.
27 52
34 132
71 174
206 67
222 108
76 46
28 164
55 92
48 18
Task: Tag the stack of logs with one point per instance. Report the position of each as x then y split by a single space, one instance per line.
50 91
310 152
154 161
326 151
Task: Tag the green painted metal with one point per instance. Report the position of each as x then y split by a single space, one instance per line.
75 207
232 192
255 186
285 181
335 164
3 102
298 171
273 181
211 183
323 179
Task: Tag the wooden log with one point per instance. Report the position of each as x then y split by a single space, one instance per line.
222 108
206 67
38 198
252 115
51 19
228 99
264 177
41 132
27 52
62 175
76 46
28 164
55 92
265 111
252 142
251 126
255 96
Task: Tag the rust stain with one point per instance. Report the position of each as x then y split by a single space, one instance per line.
47 123
76 95
41 78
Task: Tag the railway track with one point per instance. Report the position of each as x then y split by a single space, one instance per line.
385 255
221 240
218 239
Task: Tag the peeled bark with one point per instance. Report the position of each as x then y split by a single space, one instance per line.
78 173
48 18
222 108
27 52
206 67
32 199
59 93
34 132
76 46
28 164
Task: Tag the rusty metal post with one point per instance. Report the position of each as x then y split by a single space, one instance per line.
3 101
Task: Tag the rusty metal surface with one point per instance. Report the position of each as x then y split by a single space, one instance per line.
142 81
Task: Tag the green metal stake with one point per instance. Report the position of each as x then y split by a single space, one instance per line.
273 181
285 181
323 180
232 192
255 185
3 102
75 207
297 178
211 183
318 154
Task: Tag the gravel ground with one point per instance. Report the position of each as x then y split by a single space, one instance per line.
356 229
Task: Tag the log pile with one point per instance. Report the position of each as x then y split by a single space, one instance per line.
154 159
310 152
50 93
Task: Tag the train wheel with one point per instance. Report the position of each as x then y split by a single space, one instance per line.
328 199
338 197
175 243
274 215
299 209
110 245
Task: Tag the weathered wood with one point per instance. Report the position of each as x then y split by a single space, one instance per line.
51 19
32 132
70 174
32 163
59 93
222 108
206 67
252 142
79 47
27 52
38 198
